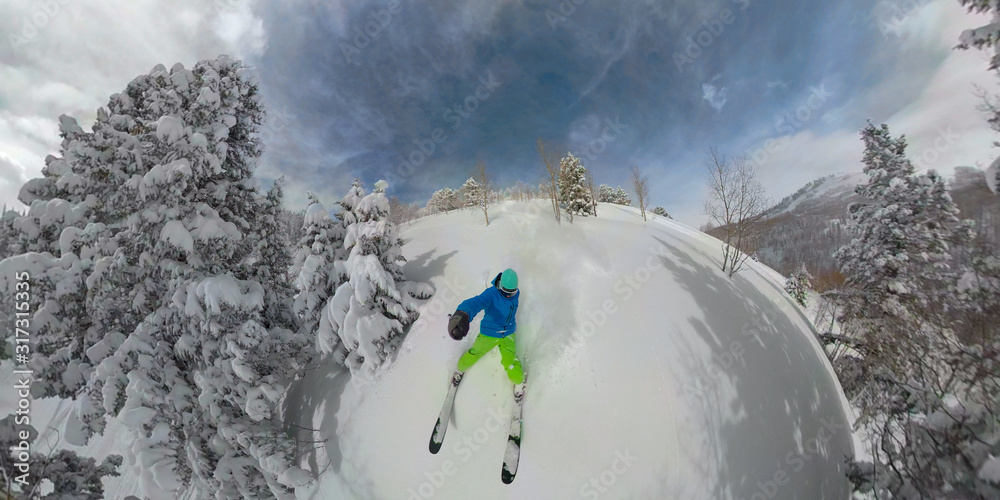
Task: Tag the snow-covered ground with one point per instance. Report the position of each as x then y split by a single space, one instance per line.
651 373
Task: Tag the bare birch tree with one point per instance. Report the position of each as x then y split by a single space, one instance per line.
737 203
640 184
401 213
482 200
593 192
552 166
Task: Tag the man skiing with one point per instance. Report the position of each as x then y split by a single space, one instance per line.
497 328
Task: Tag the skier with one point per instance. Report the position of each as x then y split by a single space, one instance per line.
497 328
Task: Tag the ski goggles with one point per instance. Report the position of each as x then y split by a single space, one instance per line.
507 293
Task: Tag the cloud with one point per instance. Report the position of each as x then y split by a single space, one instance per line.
776 84
71 56
943 127
610 56
360 117
12 176
715 95
793 161
928 96
584 130
806 156
607 61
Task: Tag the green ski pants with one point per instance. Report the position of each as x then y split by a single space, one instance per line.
508 355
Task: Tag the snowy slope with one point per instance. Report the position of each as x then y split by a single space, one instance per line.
651 374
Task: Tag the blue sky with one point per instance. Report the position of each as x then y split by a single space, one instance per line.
444 84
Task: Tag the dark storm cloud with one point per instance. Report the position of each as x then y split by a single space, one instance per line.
444 84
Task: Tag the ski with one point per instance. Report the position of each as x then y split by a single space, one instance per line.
513 452
437 437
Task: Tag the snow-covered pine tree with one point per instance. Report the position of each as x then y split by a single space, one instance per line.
979 286
372 309
293 227
604 193
70 476
798 285
69 225
316 278
662 212
903 235
8 235
455 200
986 37
621 197
59 199
193 370
434 203
471 193
328 333
443 200
608 194
347 214
922 401
271 261
983 37
574 191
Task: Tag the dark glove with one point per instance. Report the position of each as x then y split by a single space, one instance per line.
458 325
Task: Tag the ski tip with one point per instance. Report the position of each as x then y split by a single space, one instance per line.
509 468
506 477
435 446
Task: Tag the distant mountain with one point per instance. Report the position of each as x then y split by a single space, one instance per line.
828 195
811 224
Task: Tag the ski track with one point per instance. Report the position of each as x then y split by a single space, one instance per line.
628 387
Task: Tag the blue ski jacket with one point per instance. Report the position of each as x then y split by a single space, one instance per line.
499 320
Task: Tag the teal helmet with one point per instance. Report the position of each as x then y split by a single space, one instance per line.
508 281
